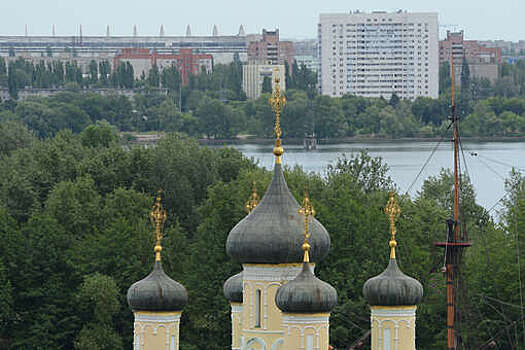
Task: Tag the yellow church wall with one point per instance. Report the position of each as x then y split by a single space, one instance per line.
393 328
236 316
156 330
306 331
261 281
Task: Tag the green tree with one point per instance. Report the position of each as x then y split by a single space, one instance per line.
154 76
267 85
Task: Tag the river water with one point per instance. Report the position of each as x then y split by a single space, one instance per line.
488 168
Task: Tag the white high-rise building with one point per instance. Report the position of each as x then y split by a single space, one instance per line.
378 54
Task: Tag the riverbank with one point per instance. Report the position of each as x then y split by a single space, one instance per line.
356 139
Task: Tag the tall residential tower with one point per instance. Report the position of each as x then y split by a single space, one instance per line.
378 54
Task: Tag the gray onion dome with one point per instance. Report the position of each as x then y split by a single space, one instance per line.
306 294
272 232
393 288
157 292
233 288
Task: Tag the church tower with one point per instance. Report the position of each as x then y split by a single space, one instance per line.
306 301
267 242
393 297
157 300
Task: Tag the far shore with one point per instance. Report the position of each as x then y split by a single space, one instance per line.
356 139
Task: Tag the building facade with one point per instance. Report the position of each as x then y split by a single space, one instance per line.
270 50
253 75
223 48
311 62
483 61
143 60
377 54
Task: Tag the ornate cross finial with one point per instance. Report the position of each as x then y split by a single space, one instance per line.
277 101
158 217
392 210
253 201
306 210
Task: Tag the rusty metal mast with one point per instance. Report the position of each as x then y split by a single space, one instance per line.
455 244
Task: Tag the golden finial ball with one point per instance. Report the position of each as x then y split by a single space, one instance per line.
278 151
158 249
277 80
393 244
305 246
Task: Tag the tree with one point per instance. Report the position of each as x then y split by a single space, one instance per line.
154 76
98 303
267 85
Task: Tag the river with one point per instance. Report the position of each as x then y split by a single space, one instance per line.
487 169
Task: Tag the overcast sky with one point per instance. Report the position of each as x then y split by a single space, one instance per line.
481 19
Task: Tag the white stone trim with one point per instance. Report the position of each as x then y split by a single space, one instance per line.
237 308
289 319
257 331
271 273
157 318
393 312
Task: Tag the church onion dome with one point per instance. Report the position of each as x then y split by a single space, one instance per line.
306 294
271 233
393 288
233 288
157 292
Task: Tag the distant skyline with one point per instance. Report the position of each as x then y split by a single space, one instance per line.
481 19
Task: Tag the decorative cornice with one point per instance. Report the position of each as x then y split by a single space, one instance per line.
158 318
260 272
393 312
305 319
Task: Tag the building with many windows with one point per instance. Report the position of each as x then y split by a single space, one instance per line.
483 61
378 54
270 49
253 75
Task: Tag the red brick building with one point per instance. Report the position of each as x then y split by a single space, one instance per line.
483 61
269 49
142 60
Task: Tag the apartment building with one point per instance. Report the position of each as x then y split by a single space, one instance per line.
270 49
253 75
483 61
377 54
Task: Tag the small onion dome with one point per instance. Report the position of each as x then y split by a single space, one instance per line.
393 288
233 288
306 294
157 292
272 233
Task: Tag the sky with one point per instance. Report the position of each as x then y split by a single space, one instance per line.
480 19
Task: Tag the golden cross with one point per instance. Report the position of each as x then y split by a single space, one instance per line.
253 201
306 210
277 101
158 217
392 210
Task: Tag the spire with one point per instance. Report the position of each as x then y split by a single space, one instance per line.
241 31
53 31
392 210
107 31
215 30
80 32
26 31
306 210
158 217
162 30
188 30
253 201
135 33
277 101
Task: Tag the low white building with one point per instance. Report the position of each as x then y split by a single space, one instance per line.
311 62
253 75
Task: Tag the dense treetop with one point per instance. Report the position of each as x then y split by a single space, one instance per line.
75 235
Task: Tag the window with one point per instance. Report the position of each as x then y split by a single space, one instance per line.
258 308
310 342
386 339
